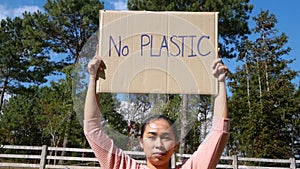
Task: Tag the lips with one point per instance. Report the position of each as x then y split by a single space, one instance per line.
159 154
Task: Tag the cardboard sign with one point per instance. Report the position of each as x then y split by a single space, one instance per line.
158 52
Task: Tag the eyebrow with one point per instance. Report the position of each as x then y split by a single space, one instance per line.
163 134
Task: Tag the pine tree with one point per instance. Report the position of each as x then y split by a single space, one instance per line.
64 27
23 58
69 24
263 105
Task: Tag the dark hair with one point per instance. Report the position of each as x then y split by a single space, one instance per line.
157 117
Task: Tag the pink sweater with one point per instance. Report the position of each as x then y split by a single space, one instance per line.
111 157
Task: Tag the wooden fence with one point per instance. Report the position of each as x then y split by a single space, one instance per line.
43 157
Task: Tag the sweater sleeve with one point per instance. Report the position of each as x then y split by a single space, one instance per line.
108 155
208 153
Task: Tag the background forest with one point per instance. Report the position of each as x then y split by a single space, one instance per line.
264 102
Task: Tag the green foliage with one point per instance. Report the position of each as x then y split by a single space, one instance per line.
296 126
57 104
43 116
172 106
69 24
23 59
113 122
199 121
20 120
263 105
108 104
166 5
64 27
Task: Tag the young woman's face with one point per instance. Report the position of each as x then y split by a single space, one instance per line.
158 142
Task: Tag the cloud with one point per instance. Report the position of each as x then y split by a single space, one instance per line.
14 12
3 12
119 5
19 11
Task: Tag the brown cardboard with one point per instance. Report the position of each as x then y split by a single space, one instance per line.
158 52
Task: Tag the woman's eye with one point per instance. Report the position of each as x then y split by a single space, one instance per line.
152 138
167 138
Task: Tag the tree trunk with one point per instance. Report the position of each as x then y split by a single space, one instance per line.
267 76
3 93
66 136
259 84
184 122
248 83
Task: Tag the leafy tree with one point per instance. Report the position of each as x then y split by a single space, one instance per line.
113 121
108 104
44 116
263 105
64 27
296 127
20 118
23 58
68 24
200 109
57 106
62 124
41 117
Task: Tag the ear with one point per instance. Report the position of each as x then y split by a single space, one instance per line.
140 139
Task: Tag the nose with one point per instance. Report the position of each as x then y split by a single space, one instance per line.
158 143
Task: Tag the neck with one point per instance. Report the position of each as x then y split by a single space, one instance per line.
151 166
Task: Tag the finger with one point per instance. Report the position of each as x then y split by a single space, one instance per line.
216 62
216 67
220 68
226 69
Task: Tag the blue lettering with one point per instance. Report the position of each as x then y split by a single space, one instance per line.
164 44
125 50
144 44
173 42
118 50
151 47
198 46
182 44
192 46
177 49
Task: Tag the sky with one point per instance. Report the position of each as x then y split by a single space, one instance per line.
285 12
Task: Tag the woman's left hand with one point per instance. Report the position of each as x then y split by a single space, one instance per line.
219 70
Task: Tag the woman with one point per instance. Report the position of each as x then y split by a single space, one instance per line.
158 135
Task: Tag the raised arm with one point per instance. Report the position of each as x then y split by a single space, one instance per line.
220 104
109 156
91 108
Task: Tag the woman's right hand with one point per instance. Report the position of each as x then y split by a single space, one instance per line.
96 67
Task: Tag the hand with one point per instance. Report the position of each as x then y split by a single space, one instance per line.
219 70
96 67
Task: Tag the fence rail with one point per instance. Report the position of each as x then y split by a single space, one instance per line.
43 157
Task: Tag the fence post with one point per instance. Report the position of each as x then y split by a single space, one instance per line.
293 163
235 162
43 157
173 161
